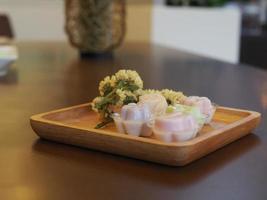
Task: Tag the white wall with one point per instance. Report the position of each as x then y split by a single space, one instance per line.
36 19
210 32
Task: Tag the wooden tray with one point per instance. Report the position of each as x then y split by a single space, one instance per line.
75 126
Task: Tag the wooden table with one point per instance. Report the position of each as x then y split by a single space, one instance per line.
50 75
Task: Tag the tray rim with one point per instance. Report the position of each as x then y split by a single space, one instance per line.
39 118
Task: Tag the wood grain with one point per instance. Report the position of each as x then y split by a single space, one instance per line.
75 126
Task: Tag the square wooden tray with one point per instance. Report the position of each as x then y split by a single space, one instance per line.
75 126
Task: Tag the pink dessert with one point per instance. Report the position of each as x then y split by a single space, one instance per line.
175 128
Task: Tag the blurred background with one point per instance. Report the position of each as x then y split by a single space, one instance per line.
232 31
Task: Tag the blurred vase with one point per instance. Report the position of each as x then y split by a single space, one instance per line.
95 26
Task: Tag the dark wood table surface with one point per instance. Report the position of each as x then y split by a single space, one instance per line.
48 76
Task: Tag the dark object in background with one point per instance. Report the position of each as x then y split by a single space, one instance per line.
5 27
253 41
174 2
251 18
196 3
93 55
253 50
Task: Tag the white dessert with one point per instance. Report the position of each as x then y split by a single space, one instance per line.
134 120
175 127
152 115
